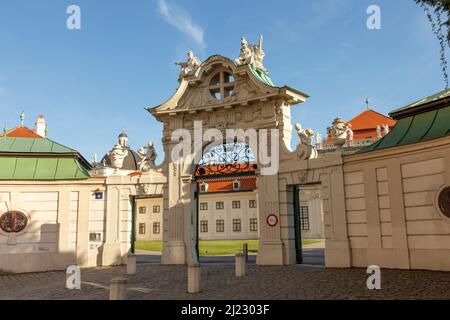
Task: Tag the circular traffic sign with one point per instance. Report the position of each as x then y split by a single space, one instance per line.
272 220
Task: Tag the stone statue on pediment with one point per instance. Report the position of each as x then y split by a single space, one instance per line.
190 66
305 149
149 155
252 55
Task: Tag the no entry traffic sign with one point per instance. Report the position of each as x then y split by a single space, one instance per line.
272 220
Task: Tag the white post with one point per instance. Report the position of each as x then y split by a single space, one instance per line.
118 289
131 264
194 278
241 265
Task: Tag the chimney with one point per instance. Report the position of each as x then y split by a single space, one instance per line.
41 126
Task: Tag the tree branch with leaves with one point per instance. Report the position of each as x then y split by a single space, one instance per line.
438 14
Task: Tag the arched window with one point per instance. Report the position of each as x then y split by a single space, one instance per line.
221 85
13 221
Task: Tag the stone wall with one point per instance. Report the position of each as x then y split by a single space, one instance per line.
391 206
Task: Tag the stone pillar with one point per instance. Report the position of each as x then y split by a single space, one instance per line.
337 246
111 254
174 251
241 265
83 228
270 245
194 278
131 264
118 289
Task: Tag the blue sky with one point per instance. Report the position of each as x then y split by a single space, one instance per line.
92 83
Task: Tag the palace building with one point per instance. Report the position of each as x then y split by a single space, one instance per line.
377 190
53 213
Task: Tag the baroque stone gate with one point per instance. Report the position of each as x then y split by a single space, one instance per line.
239 95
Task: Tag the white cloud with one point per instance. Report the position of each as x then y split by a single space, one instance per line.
181 19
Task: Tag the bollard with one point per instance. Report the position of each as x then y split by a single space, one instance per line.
118 289
131 264
245 249
194 278
241 265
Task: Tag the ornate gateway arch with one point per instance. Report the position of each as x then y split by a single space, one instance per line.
220 95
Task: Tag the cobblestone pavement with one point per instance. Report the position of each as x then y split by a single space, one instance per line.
156 282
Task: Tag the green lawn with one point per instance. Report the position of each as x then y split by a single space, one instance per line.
213 248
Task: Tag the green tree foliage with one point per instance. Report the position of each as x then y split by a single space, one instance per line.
438 12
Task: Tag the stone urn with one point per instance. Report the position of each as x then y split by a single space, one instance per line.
117 156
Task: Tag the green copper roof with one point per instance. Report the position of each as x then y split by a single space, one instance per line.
32 145
440 95
420 121
265 79
40 159
261 76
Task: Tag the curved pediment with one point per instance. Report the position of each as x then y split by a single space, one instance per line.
220 83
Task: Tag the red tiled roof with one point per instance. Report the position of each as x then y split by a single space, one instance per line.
22 132
248 183
365 124
370 119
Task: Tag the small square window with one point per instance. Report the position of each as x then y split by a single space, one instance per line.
156 209
236 185
252 203
204 206
236 204
95 237
220 205
142 210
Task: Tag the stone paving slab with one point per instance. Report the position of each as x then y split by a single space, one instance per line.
157 282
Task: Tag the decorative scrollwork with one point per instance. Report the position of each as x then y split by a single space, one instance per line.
228 158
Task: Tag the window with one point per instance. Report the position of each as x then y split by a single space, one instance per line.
203 226
304 218
236 225
236 185
141 228
220 205
156 228
156 209
204 187
252 203
142 209
13 221
222 85
220 226
95 237
204 206
444 201
236 204
253 225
